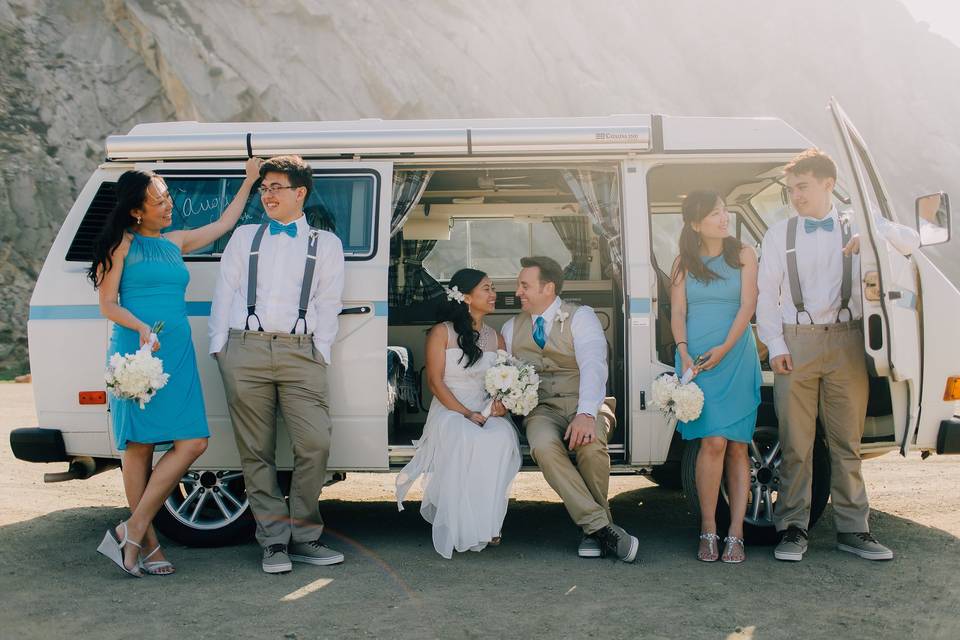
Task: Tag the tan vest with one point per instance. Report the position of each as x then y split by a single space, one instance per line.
556 362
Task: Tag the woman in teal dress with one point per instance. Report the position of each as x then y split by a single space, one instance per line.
714 296
141 278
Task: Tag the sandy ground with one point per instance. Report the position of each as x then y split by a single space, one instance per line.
393 585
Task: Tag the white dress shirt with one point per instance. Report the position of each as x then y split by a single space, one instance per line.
820 269
590 347
279 278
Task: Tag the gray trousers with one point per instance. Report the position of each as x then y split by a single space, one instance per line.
830 377
263 371
582 484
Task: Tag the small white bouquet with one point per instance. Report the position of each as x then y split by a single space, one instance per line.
137 376
514 383
672 396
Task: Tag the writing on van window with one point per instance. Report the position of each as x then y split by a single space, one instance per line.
189 208
341 204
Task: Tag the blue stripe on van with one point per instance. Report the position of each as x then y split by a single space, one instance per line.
65 312
92 311
639 305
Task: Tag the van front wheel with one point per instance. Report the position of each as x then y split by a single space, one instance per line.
765 457
207 509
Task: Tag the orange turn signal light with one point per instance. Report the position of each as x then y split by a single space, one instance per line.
93 397
952 392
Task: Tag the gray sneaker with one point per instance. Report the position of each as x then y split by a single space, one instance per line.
589 546
275 559
615 540
863 545
314 553
792 546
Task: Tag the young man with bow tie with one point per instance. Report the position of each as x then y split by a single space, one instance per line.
809 314
272 326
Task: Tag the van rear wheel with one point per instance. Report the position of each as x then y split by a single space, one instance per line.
765 456
207 509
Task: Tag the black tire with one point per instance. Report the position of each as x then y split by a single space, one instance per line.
211 525
668 476
764 480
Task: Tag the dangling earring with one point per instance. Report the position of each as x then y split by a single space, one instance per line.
139 219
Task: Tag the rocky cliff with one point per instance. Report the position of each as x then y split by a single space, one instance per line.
73 72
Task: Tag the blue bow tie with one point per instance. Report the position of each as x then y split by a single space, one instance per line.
289 229
810 225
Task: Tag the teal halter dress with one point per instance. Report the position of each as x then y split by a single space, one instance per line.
731 390
152 288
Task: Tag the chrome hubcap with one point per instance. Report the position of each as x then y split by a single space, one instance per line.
765 458
208 499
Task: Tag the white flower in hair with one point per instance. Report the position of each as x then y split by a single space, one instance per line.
453 293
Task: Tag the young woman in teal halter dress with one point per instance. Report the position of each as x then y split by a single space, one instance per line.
714 296
141 278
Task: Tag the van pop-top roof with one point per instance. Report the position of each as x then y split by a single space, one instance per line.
502 136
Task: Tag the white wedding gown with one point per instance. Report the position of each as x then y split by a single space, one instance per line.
467 469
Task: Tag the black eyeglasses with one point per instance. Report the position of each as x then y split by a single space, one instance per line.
273 188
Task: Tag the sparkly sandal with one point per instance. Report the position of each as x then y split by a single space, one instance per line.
729 555
711 553
156 567
112 547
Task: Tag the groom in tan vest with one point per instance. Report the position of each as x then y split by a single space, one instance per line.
565 343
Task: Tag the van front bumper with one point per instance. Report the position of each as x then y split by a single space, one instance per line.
948 440
38 445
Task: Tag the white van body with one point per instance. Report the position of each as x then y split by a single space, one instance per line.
486 175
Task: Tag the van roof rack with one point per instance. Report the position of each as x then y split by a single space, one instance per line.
620 134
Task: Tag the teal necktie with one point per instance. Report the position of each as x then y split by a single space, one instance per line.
810 225
539 336
289 229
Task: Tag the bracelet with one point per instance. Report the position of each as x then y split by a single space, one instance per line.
682 342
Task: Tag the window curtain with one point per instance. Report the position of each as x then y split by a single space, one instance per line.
598 194
408 188
418 286
573 232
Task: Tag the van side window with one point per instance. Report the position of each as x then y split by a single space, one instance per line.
495 246
341 204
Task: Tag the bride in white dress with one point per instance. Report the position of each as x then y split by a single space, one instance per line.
467 461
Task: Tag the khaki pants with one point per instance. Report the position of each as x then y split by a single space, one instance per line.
829 371
261 371
582 486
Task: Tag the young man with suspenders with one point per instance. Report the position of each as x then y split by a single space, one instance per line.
272 326
809 316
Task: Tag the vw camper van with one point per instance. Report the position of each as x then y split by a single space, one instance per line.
412 201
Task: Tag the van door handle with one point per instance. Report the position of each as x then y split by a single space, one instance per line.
351 311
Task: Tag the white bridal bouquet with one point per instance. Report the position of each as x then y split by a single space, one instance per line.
682 399
137 376
514 382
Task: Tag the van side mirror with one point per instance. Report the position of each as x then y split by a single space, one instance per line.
933 218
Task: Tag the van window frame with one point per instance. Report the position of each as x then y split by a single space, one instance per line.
234 173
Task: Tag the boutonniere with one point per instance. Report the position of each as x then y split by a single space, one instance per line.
562 316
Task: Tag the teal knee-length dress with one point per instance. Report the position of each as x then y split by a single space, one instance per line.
731 390
152 288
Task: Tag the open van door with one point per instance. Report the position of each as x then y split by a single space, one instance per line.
889 285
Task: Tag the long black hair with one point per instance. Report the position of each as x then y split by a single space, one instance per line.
131 193
696 206
465 280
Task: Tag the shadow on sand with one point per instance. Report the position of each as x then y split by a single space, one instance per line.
393 584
